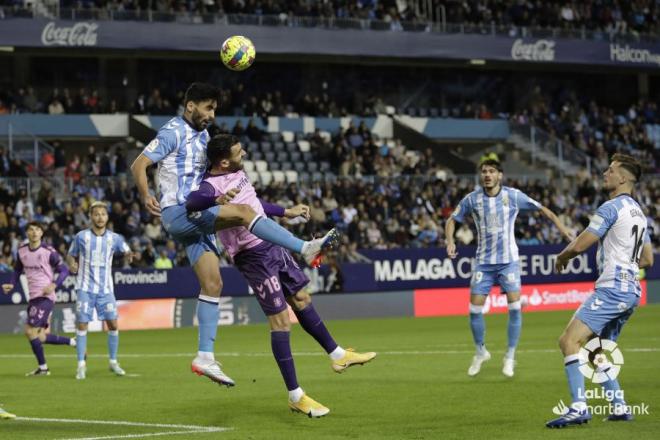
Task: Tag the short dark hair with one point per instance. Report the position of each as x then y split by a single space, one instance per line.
491 163
36 225
219 147
199 91
630 164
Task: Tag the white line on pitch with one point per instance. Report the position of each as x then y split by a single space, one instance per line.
189 429
310 353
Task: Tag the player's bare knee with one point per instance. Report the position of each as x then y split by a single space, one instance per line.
112 325
299 301
280 322
82 326
212 286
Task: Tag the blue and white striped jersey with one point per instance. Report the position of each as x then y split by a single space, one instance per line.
95 254
180 152
495 218
623 231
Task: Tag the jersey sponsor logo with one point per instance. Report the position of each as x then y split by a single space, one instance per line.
151 147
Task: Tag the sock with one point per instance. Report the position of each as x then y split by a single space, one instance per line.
515 324
38 351
268 230
296 395
207 356
113 344
337 353
207 316
478 326
279 342
575 378
612 387
81 345
313 325
57 340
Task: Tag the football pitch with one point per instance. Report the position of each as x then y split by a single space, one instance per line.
417 387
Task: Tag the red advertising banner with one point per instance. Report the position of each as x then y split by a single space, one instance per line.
535 297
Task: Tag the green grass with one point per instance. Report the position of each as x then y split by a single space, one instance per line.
417 388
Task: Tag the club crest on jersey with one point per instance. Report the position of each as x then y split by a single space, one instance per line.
505 199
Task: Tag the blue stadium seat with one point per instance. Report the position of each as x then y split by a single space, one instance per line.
256 155
279 146
282 156
324 166
295 156
274 166
312 166
269 157
286 166
266 146
299 166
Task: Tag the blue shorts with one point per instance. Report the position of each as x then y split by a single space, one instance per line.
606 311
195 230
105 305
484 276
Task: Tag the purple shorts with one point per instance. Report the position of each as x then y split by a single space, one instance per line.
39 310
272 273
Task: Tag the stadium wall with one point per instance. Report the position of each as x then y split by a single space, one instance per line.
274 40
399 283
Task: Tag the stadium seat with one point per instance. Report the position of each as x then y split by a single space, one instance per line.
269 157
307 157
253 176
274 166
253 146
282 156
304 177
317 177
278 176
303 145
325 135
256 155
312 166
291 176
278 146
266 146
324 166
292 147
295 156
288 136
248 165
422 112
261 166
275 136
286 166
265 177
299 166
434 112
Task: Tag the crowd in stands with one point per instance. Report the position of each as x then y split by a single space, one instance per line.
402 202
611 16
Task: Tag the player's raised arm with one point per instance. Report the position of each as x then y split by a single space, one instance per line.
139 171
565 232
583 242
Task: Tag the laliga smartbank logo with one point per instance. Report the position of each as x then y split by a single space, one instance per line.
600 360
606 357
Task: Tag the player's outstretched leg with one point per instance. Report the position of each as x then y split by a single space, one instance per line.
243 215
571 340
478 327
513 336
59 340
4 415
312 323
81 353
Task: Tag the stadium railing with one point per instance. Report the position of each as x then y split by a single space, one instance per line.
423 25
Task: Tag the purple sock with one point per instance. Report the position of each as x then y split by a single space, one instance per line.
38 350
57 340
313 324
279 342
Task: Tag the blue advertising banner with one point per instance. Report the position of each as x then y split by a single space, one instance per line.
41 33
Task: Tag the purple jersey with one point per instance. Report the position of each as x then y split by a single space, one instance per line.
238 238
40 265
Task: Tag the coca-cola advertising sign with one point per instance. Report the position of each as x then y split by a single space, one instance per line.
541 50
80 34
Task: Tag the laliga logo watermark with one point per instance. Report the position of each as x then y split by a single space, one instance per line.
80 34
607 367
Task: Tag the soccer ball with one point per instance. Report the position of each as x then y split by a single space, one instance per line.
237 53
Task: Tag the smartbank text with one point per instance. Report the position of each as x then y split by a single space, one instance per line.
446 268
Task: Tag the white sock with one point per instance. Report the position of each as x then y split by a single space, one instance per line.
43 367
481 349
296 395
73 342
113 361
82 363
510 353
337 353
206 355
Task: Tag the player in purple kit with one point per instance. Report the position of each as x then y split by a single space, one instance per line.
269 269
40 263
